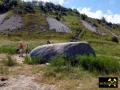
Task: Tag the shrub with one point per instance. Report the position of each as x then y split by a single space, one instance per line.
58 62
8 49
58 18
33 60
107 65
86 62
61 63
115 39
83 16
99 64
27 59
9 61
62 67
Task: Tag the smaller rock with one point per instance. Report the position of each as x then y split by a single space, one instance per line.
2 84
3 78
3 81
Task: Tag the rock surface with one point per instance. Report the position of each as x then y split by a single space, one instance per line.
70 49
2 17
89 26
57 25
10 23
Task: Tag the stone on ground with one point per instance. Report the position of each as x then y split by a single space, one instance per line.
70 49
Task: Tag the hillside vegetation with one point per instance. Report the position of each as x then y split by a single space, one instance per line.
34 20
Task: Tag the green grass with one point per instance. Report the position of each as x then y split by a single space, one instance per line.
88 35
60 63
9 46
25 35
62 68
9 61
108 49
9 14
99 64
33 60
4 70
34 19
9 49
73 22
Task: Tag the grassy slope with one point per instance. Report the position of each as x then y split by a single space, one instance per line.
29 31
98 42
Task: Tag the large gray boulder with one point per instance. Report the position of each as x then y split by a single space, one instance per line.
70 49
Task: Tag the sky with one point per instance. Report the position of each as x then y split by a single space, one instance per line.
110 9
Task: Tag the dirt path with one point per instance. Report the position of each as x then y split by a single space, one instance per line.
15 57
18 59
26 77
23 82
2 57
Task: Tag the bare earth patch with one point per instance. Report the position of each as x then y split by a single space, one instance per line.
22 82
2 56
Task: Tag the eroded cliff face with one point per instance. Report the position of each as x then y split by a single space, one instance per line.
57 25
10 23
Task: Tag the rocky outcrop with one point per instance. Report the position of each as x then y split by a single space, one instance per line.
89 26
57 25
2 17
10 23
70 49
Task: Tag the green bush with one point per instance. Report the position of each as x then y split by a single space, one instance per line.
9 61
33 60
27 59
115 39
99 64
60 63
62 67
8 49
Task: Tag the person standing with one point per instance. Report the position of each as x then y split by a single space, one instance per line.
20 49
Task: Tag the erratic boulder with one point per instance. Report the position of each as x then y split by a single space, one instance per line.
70 49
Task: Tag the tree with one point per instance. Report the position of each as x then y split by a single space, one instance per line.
76 12
29 7
115 39
83 16
103 20
6 5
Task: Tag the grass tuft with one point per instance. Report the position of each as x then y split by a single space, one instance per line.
9 61
100 64
4 70
33 60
